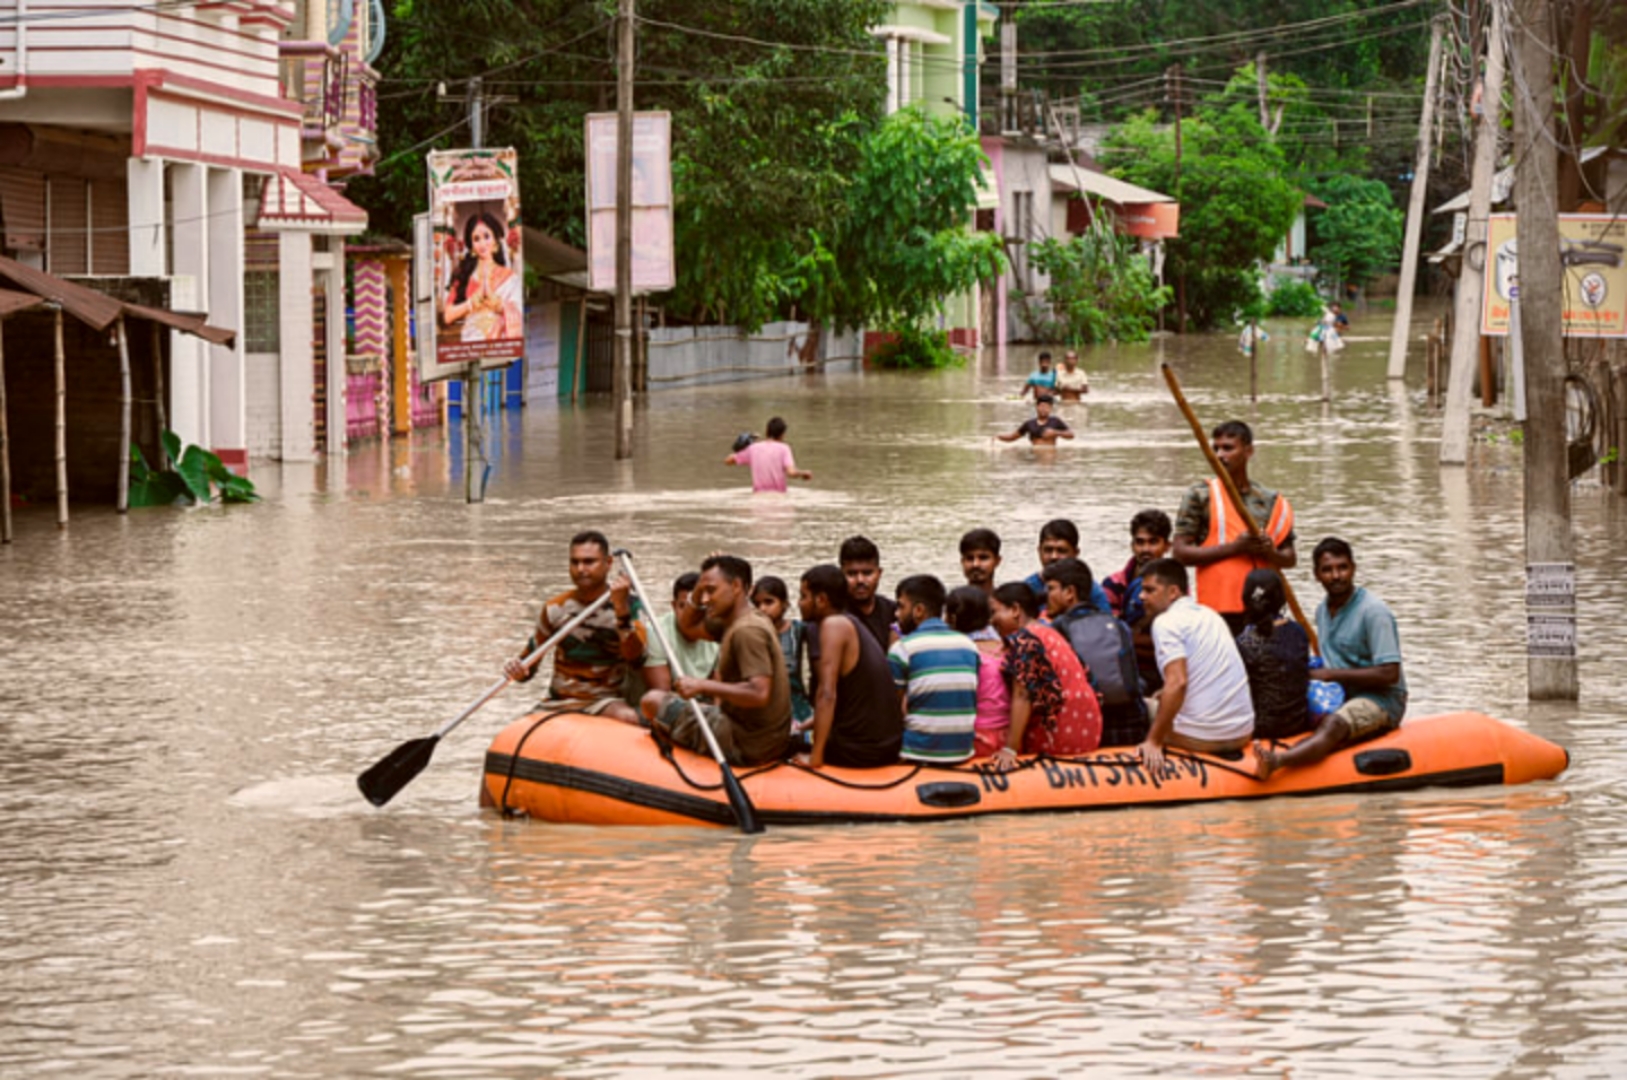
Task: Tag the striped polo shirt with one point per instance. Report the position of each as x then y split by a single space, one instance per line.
938 669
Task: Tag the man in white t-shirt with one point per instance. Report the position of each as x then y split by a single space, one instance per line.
1071 382
1205 703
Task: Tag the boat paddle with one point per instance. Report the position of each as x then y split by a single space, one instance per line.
1237 500
385 779
745 815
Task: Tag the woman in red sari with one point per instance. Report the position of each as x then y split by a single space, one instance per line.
1054 709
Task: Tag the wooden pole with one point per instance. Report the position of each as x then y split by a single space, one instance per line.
1415 212
1236 496
1327 373
158 394
1254 353
1550 571
5 449
581 348
622 374
124 417
61 429
1471 283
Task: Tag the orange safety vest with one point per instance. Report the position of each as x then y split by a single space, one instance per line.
1219 585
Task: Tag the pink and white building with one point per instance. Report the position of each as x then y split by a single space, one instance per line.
200 143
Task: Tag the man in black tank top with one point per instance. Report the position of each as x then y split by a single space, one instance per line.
857 722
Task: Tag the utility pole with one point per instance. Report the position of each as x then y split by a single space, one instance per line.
474 440
1471 284
1402 328
621 379
1174 77
1550 571
1259 78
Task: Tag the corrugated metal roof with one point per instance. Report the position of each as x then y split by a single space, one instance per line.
12 301
1103 186
97 309
1502 185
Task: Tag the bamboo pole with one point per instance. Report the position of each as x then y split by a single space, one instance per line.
124 418
158 394
61 429
5 450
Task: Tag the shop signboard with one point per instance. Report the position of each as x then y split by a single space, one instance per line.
1593 265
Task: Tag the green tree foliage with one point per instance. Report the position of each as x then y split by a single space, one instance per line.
1293 300
1236 201
772 101
902 244
1102 289
1359 235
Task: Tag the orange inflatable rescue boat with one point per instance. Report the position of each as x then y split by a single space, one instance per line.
570 767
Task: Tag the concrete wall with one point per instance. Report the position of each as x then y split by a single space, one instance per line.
702 355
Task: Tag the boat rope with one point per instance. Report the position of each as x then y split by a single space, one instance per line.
514 763
976 770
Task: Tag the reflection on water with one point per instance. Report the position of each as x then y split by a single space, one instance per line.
189 884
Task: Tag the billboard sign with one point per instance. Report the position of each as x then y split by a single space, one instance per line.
1593 264
479 275
654 266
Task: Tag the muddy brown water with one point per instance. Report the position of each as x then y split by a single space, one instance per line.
190 885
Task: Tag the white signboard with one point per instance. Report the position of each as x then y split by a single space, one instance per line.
654 264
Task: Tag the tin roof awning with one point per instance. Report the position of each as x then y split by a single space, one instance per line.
12 301
95 309
1502 184
295 201
1114 190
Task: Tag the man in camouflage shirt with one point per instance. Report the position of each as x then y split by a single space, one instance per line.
591 664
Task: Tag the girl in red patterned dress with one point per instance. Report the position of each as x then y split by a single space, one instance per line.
1054 709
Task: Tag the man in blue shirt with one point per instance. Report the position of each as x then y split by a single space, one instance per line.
1059 539
1362 650
1043 380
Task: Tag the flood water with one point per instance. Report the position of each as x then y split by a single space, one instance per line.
190 884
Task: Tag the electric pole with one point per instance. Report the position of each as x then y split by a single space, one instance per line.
621 379
474 441
1550 571
1471 282
1402 328
1174 76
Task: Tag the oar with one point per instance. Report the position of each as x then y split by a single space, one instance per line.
745 815
1237 499
385 779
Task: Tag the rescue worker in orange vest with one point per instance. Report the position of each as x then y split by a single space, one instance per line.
1210 535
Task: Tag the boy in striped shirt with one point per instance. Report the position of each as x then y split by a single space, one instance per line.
935 670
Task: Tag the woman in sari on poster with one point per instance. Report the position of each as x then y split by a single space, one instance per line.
486 293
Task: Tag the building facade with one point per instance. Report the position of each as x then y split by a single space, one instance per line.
200 143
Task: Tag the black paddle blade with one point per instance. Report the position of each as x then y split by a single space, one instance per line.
744 813
396 770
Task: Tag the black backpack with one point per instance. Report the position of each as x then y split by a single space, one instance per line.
1103 643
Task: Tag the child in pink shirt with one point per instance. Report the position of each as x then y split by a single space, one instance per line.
770 460
967 611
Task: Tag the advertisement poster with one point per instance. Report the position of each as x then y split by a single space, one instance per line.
1592 259
654 266
479 276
